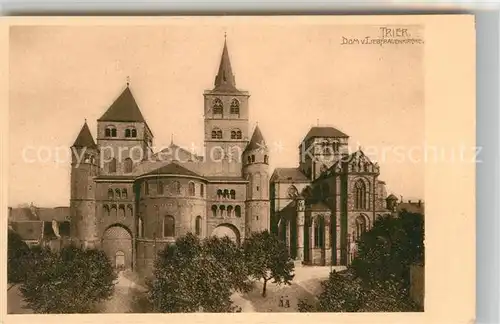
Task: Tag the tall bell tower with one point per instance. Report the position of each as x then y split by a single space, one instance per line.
226 122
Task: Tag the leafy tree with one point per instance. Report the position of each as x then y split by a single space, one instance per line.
386 252
189 279
17 258
231 257
267 258
73 280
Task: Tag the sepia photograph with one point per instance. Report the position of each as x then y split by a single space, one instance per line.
217 168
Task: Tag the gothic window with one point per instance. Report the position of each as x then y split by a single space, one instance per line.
202 190
128 165
112 166
191 189
360 195
237 211
140 227
217 107
216 133
319 232
110 194
146 188
105 210
229 211
160 187
118 193
168 226
219 194
176 188
235 106
266 159
233 194
124 194
360 226
222 210
197 228
214 210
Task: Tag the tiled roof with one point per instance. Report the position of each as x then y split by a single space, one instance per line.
225 178
28 230
33 213
84 138
173 168
318 131
21 214
257 140
412 207
288 174
124 109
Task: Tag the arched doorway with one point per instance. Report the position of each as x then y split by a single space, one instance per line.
117 244
228 230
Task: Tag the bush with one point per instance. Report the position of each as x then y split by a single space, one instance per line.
17 258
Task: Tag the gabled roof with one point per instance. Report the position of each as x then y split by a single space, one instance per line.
123 109
257 141
318 131
84 138
225 81
173 168
288 174
33 213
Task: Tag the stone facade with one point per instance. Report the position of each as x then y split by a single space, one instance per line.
132 202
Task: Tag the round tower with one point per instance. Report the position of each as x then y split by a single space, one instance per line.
84 167
255 161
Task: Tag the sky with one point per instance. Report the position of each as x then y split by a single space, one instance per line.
298 76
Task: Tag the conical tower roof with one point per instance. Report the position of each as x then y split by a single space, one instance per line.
257 141
84 138
225 81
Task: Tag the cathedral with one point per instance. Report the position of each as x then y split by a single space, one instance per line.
131 202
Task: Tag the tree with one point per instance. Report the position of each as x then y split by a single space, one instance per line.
17 258
386 252
72 280
231 257
189 279
267 258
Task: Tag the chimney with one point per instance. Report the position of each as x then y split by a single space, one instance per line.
419 203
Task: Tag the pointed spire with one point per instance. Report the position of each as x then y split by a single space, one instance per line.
172 139
257 141
84 138
225 80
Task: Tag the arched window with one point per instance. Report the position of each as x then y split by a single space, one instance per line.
112 166
360 195
110 131
140 227
107 132
266 159
214 210
202 190
233 194
113 132
219 193
176 187
128 165
133 132
124 194
130 210
216 133
217 107
236 134
222 210
110 194
146 188
160 187
237 211
319 232
235 106
113 211
191 189
105 211
121 211
229 211
127 133
233 134
253 158
360 226
197 226
118 193
168 226
226 193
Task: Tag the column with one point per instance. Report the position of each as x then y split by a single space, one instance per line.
328 245
300 236
288 238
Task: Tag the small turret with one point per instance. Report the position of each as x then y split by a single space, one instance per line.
256 171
